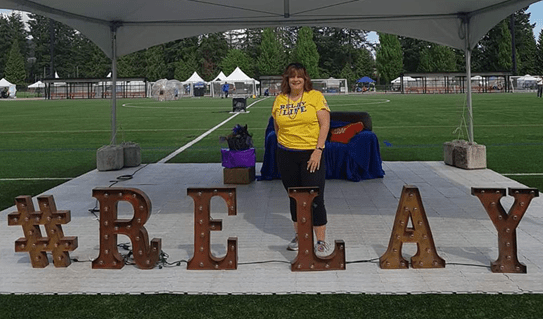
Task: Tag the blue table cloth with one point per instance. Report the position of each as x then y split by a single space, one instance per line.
358 160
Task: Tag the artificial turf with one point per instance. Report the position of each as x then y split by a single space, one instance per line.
58 139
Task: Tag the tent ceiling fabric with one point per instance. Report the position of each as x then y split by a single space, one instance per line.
146 23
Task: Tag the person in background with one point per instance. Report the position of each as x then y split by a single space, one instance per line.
302 120
539 88
5 93
225 89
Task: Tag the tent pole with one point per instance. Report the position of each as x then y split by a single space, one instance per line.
468 80
114 27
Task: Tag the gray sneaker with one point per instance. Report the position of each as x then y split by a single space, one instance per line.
293 245
322 249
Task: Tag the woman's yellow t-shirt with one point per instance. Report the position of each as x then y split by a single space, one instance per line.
297 121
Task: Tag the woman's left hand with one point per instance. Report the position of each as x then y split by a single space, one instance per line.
314 161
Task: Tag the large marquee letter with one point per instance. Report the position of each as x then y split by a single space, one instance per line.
204 224
145 257
36 244
506 224
410 207
307 260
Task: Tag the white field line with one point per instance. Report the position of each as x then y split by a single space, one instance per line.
522 174
36 179
199 138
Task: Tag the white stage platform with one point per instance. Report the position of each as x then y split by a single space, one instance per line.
360 213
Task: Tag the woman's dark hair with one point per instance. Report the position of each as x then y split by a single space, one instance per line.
299 70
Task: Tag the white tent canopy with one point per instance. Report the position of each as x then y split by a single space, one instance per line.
238 76
405 79
528 77
194 78
126 26
527 82
216 84
11 87
219 78
5 83
37 85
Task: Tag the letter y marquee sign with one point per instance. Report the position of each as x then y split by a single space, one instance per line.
506 224
410 226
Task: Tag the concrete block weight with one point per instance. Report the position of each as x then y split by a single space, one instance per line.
109 158
463 154
131 154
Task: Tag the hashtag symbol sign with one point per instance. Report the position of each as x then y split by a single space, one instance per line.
33 241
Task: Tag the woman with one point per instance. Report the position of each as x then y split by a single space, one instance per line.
302 120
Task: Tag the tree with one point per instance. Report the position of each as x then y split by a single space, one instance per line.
306 52
288 37
213 48
524 42
504 47
132 65
237 58
272 59
486 56
437 58
155 63
389 57
64 38
363 63
412 50
88 60
425 60
11 29
338 47
15 69
185 67
179 50
5 43
348 74
39 32
252 38
539 54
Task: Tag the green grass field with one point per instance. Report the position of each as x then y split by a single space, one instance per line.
43 143
46 141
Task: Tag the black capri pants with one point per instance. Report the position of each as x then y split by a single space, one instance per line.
292 166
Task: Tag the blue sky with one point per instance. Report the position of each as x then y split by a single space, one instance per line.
535 9
536 17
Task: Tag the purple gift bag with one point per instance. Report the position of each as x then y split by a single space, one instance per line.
232 159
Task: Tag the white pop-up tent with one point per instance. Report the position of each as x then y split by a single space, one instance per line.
12 89
216 84
243 84
527 82
405 79
117 31
193 79
37 85
219 78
